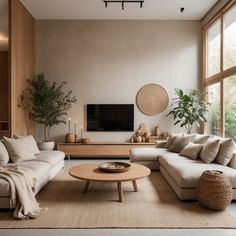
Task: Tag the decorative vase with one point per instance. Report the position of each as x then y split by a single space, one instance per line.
147 135
157 131
70 138
138 139
214 190
46 146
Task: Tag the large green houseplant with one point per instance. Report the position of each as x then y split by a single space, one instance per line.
189 110
46 102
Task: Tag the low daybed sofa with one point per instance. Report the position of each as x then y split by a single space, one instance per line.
182 172
46 165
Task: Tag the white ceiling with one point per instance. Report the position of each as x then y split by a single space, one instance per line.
94 9
3 25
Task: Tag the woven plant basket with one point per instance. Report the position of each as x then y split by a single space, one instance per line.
214 190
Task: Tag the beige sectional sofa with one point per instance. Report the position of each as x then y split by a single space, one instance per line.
181 172
46 165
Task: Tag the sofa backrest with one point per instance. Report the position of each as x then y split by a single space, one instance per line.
4 156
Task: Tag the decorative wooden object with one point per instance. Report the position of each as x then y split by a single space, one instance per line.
152 99
70 138
157 131
215 190
90 172
22 64
100 150
85 140
141 134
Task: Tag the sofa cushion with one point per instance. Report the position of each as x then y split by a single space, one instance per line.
19 149
41 170
210 150
180 142
173 157
192 150
31 142
171 139
51 157
201 138
4 156
160 144
226 151
146 154
186 172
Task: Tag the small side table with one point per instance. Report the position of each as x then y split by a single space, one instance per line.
215 190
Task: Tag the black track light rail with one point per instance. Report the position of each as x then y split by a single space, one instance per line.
123 2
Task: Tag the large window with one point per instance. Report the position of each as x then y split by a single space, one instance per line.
214 117
213 49
220 72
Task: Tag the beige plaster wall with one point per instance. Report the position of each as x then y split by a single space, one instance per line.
109 61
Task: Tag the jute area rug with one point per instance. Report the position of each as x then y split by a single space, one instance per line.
154 206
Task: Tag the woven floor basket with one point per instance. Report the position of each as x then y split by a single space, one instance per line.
214 190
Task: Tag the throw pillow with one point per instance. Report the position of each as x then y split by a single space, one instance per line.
180 142
171 139
31 142
19 149
232 163
159 144
226 151
192 150
210 150
4 156
201 138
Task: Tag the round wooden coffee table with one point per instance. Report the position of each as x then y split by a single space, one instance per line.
90 172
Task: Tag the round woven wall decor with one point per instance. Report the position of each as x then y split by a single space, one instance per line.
152 99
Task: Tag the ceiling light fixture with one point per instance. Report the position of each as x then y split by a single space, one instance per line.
123 2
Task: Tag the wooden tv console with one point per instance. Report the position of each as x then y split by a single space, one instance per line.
100 150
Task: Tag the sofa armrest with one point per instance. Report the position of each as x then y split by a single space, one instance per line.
160 144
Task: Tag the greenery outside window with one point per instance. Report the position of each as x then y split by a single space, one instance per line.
219 71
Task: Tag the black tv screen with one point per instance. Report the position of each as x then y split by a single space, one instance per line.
110 117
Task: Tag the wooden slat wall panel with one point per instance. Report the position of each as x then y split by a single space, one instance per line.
22 63
4 91
4 85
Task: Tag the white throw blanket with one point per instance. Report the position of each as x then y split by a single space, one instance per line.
22 182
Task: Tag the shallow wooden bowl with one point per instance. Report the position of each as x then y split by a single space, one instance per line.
114 167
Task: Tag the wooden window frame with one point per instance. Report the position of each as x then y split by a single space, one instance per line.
219 77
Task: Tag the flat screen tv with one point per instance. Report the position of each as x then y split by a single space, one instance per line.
110 117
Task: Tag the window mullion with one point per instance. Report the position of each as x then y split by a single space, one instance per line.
222 115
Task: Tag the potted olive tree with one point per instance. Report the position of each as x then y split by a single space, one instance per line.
189 110
47 104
